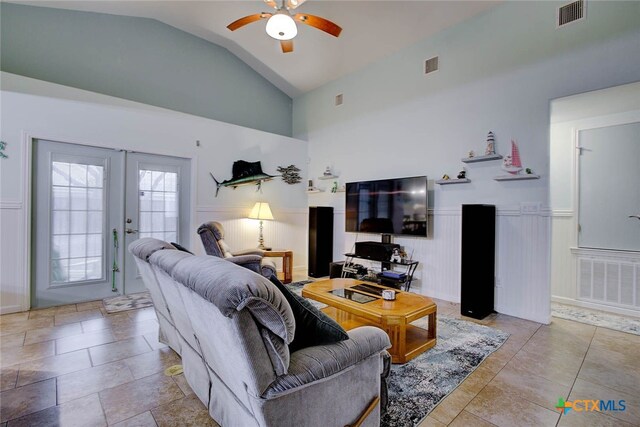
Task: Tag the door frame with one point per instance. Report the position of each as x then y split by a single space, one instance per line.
26 142
577 252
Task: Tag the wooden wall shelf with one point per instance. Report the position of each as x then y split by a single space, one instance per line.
481 158
452 181
516 177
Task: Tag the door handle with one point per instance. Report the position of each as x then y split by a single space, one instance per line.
634 216
130 231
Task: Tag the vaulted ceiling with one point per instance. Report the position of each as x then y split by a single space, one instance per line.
371 30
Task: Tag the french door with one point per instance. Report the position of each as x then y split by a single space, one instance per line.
89 204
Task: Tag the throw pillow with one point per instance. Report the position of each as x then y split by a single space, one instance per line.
313 327
181 248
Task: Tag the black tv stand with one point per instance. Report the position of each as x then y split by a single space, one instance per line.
406 267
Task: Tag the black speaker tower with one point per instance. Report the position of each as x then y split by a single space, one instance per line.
478 260
320 240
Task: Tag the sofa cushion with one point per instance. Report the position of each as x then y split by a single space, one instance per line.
167 260
232 288
316 363
147 246
313 327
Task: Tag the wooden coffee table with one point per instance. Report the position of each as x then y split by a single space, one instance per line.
394 317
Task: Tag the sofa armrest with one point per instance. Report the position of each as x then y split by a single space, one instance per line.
254 251
252 262
312 364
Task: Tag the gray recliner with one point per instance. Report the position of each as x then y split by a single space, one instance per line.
212 236
232 328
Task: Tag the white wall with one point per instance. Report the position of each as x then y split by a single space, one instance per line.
44 110
607 107
499 73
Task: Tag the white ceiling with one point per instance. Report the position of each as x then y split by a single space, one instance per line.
371 30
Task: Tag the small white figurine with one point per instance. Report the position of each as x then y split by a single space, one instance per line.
395 257
327 171
471 154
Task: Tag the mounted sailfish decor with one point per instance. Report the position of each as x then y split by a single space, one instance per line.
244 173
512 162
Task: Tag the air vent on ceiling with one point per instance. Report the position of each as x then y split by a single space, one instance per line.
571 12
431 65
338 99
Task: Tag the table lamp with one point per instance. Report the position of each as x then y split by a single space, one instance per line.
261 211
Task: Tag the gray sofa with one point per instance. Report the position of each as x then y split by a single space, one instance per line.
232 328
212 236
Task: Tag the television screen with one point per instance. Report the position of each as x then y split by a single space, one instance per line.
389 206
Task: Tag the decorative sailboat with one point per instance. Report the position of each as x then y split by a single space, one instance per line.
512 162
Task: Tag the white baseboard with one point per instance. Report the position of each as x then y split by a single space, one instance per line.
595 306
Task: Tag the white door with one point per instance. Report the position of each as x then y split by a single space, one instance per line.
157 205
89 204
609 188
77 206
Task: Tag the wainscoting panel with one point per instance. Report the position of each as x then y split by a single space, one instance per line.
12 249
563 263
287 231
523 288
522 261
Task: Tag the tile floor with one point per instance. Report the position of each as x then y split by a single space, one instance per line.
76 365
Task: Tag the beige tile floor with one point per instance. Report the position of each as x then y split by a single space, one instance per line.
76 365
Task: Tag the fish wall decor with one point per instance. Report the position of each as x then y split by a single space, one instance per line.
290 174
244 173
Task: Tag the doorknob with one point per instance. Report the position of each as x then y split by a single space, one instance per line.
130 231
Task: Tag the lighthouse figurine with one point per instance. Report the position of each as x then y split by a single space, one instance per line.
491 146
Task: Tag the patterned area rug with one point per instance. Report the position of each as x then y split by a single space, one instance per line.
127 302
596 318
415 388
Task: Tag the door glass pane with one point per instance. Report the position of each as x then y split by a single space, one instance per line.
158 197
77 218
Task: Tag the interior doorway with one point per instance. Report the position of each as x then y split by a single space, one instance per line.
594 153
89 204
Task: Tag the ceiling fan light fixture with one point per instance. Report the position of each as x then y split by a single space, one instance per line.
282 27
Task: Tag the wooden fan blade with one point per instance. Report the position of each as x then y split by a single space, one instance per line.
319 23
292 4
271 3
286 45
248 20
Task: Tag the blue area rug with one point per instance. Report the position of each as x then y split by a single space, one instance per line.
416 387
602 319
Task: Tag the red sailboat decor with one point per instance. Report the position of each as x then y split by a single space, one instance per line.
512 162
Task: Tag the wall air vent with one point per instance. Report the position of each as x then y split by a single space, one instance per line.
572 12
431 65
338 99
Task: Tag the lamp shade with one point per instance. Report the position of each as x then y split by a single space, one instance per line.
281 26
261 211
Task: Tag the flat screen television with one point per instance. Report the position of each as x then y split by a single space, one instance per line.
388 206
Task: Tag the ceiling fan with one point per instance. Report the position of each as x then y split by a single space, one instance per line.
281 24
